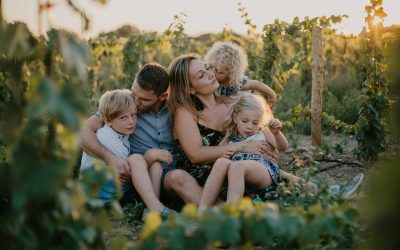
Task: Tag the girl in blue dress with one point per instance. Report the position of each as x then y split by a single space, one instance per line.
251 120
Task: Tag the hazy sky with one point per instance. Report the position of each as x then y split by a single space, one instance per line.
202 15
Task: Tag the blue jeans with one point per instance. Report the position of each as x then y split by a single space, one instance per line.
109 191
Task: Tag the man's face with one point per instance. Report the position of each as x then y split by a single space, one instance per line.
145 100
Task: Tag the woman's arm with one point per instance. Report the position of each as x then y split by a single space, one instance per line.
189 137
263 88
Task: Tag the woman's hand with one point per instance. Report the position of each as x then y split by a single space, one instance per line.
263 148
228 154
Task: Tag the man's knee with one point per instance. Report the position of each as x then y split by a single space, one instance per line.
178 179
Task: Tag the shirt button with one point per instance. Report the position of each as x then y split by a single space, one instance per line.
156 116
159 133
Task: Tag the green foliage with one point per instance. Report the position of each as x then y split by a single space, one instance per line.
244 225
371 134
137 52
383 203
176 34
41 206
45 85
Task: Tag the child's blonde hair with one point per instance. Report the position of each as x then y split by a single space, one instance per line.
230 56
247 101
115 103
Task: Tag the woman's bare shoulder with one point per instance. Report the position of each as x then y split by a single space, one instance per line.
183 113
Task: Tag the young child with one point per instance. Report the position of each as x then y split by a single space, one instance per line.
229 62
118 113
249 117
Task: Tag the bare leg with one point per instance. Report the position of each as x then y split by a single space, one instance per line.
184 185
214 183
244 172
310 186
141 181
155 172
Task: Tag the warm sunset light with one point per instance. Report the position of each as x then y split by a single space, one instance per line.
202 16
199 124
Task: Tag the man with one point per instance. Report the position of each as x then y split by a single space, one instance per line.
153 130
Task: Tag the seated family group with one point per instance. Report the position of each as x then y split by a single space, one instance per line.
179 134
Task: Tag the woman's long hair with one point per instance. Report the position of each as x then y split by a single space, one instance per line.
180 86
247 101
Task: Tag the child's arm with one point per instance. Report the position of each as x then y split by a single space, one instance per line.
263 88
156 154
275 126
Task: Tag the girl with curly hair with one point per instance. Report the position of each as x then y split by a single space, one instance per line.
229 63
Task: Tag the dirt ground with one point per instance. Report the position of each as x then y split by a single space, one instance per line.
340 165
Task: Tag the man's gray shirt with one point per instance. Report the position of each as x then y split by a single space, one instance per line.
152 131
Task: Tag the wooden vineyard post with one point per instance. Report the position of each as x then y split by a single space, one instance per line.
317 65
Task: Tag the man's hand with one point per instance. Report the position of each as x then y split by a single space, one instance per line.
123 167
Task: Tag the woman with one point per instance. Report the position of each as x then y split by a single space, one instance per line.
199 116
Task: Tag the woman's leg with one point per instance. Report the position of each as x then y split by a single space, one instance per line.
214 183
155 172
141 180
248 172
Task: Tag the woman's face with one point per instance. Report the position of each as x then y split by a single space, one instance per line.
202 78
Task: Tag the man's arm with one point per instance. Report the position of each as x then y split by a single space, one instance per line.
91 145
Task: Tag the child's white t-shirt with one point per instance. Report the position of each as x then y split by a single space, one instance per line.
114 142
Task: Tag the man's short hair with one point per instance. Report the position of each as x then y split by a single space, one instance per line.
153 76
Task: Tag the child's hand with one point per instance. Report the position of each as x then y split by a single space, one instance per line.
228 154
275 126
164 155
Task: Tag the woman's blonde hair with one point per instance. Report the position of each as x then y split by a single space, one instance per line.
115 103
247 101
180 85
230 56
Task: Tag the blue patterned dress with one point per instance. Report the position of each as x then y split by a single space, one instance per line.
272 168
232 90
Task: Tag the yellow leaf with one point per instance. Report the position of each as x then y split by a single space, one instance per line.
190 210
152 223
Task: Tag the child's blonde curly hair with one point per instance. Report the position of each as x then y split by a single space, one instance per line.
230 56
